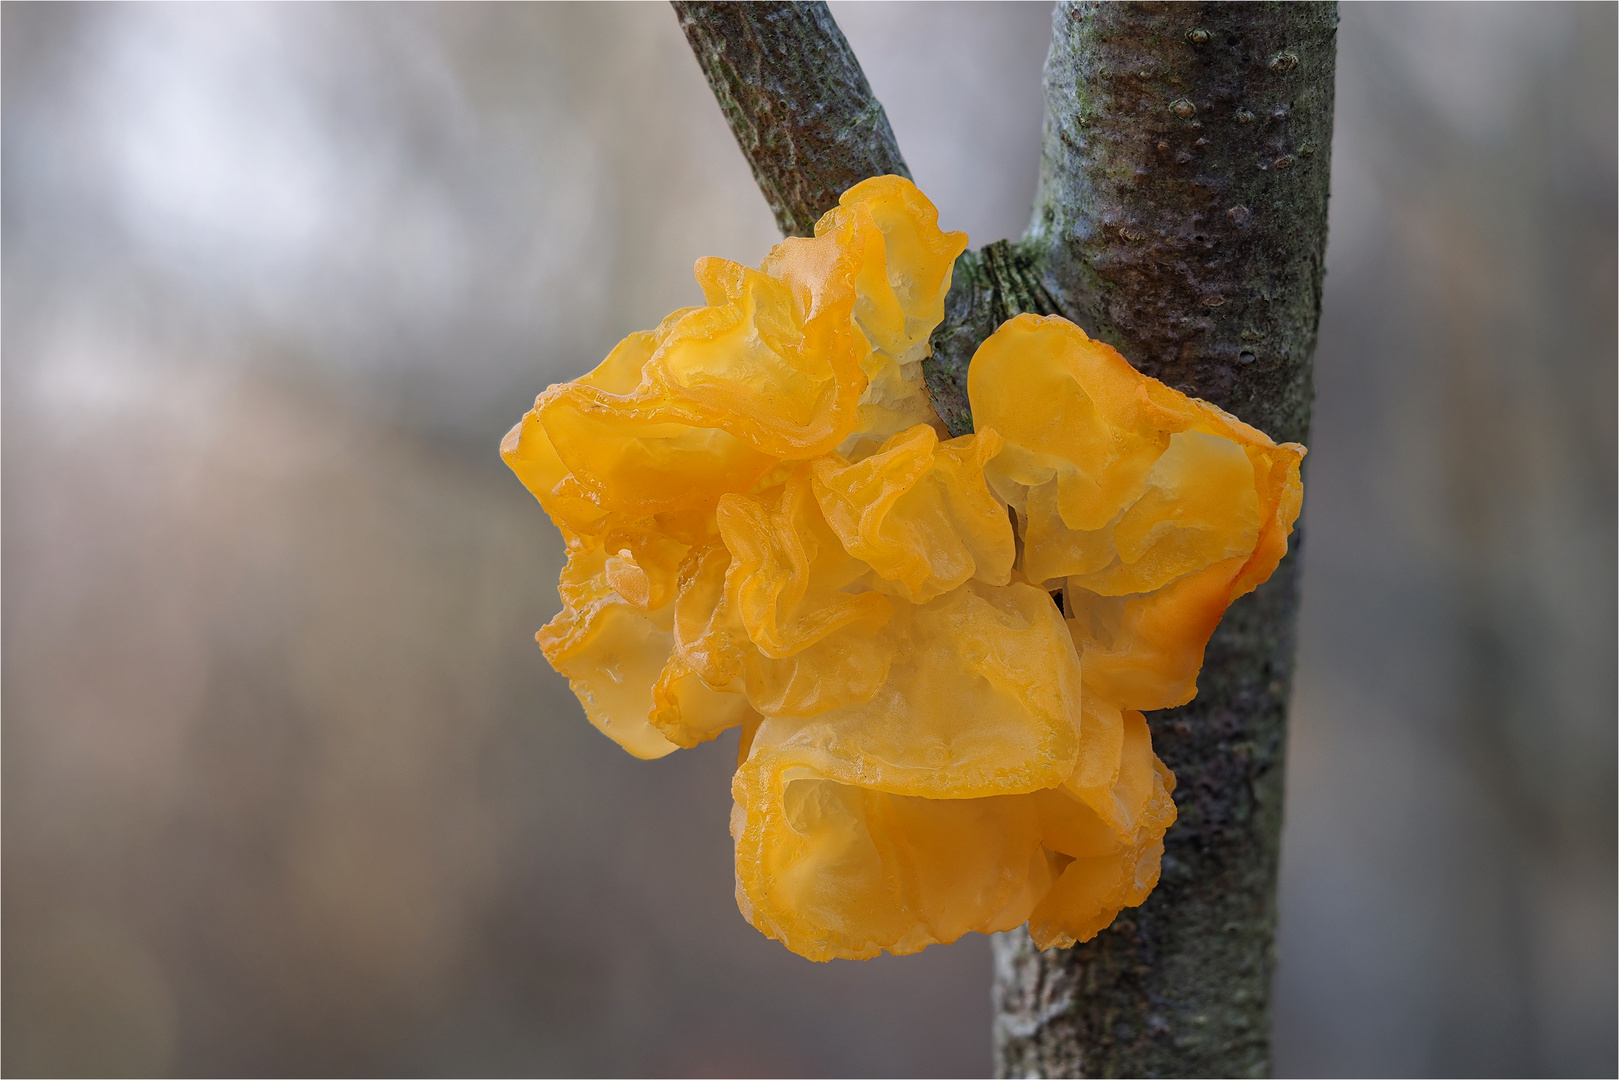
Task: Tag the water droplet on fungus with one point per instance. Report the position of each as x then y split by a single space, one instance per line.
1197 35
1246 357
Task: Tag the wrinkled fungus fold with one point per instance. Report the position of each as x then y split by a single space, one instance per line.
938 650
1149 511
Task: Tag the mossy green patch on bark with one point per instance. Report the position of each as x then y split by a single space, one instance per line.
989 286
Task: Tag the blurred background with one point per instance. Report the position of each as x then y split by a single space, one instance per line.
288 788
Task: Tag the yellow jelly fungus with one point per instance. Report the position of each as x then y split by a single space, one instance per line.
765 530
1150 510
919 512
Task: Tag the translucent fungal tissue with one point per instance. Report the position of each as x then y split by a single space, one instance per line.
767 529
1149 510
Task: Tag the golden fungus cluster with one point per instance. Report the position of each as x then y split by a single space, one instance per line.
941 713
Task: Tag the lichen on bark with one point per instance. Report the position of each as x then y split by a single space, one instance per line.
1181 217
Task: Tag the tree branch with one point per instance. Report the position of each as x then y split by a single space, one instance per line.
1181 216
796 100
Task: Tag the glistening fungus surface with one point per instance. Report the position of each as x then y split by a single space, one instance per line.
938 649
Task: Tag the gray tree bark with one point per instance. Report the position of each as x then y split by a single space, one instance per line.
797 101
1181 216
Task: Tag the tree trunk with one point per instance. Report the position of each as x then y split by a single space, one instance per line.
1181 216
